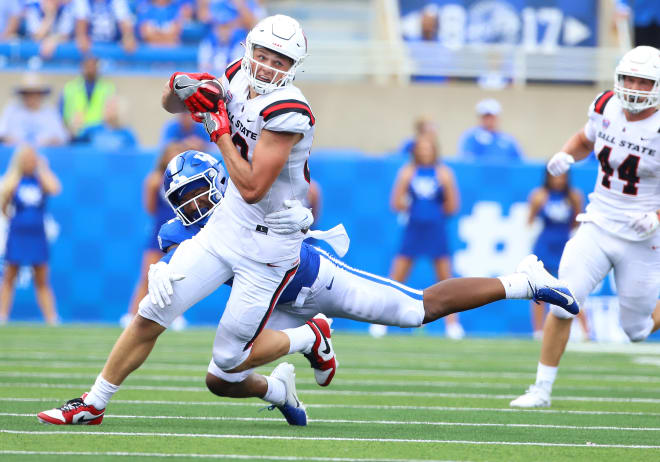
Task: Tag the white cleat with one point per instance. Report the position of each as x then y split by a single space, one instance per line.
546 288
454 330
535 396
292 408
377 330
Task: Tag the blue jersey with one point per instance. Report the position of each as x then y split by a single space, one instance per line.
174 232
481 144
29 203
26 239
557 215
106 138
426 194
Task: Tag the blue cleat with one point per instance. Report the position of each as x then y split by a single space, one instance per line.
543 287
292 408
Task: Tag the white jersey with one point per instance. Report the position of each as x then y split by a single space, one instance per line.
282 110
629 175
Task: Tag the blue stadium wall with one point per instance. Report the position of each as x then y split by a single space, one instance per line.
103 229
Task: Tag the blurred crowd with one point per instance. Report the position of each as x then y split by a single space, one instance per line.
218 26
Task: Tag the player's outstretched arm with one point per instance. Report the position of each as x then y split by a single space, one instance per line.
578 145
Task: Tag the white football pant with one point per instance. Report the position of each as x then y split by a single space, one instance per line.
588 257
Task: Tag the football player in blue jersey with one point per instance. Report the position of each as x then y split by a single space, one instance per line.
195 183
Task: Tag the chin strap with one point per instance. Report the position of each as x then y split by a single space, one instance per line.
336 237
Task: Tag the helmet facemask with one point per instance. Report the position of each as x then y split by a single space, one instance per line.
280 78
635 101
642 62
194 210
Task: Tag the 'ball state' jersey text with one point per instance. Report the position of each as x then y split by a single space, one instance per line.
282 110
629 157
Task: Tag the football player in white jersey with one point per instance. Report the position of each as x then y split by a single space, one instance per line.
619 229
265 138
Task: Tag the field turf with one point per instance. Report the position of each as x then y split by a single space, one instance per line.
396 398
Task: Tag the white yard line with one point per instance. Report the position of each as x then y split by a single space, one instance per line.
201 369
409 394
325 438
241 403
213 456
366 422
359 382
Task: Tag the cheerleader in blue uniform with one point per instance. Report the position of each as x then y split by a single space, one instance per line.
557 204
426 190
157 206
25 187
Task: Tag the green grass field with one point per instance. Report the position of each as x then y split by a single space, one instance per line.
396 398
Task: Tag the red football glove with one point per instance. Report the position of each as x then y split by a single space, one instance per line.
187 87
217 123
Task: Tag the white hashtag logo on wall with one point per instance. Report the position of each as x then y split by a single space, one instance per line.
495 243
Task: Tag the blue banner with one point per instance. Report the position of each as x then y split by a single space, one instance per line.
532 23
99 230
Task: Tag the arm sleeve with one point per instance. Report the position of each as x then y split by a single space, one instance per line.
590 128
288 122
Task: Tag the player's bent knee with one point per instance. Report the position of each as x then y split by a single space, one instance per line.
638 332
227 359
231 377
560 313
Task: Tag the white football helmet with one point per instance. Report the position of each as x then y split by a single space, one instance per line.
283 35
643 62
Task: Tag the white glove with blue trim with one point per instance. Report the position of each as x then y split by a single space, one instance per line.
293 218
160 278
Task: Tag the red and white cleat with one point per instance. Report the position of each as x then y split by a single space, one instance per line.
322 357
74 412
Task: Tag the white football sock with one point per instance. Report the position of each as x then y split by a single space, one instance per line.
276 392
101 393
516 285
301 339
546 375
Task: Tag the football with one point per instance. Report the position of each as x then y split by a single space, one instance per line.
213 90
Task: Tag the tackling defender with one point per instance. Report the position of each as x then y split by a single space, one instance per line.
619 230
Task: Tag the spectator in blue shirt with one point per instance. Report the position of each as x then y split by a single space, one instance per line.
104 21
485 141
49 22
249 11
109 135
160 22
184 130
646 20
222 45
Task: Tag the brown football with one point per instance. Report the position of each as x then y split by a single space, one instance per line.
213 90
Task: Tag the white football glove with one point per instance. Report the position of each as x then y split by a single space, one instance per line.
560 163
643 223
293 218
160 279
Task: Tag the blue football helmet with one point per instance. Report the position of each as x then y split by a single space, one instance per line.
198 172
